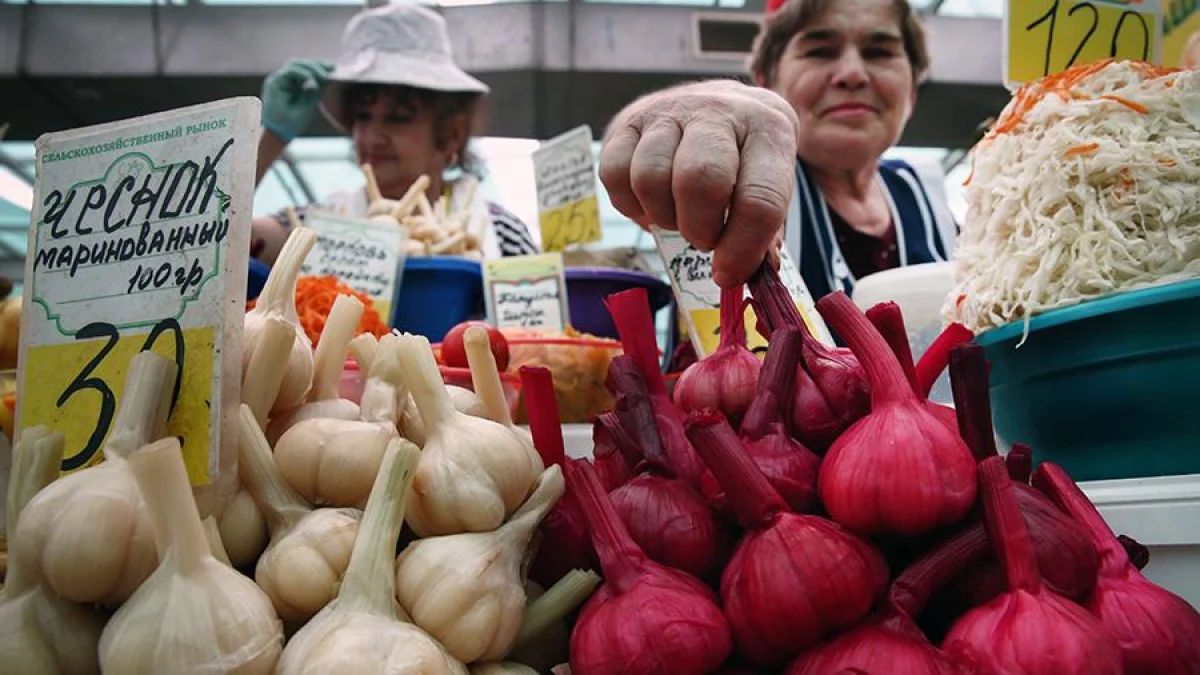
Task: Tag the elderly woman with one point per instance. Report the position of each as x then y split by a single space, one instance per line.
408 109
727 164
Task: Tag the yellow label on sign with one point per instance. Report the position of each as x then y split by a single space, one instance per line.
575 223
75 387
1181 22
1043 37
708 327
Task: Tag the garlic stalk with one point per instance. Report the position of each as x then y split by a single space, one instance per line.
544 639
485 376
473 472
194 614
467 590
464 401
364 630
243 528
362 349
309 550
325 400
40 632
212 533
97 515
278 299
268 366
502 668
333 462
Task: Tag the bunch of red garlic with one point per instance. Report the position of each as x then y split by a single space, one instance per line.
433 229
817 514
117 569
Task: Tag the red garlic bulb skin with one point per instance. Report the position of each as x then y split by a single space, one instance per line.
927 487
777 589
1027 634
874 650
831 394
725 380
658 627
1157 632
673 525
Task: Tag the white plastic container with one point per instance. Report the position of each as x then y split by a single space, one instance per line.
1163 514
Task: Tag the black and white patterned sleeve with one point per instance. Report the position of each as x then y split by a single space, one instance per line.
511 234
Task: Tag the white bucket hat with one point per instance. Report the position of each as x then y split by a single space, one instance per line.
397 44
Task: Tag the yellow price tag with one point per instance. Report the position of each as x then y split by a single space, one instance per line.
75 388
1043 37
708 328
575 223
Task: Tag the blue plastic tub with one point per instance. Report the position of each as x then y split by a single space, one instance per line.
588 286
437 293
256 279
1108 388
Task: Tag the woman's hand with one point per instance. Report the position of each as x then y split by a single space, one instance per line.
715 160
291 96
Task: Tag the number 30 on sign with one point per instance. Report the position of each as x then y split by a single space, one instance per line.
1043 37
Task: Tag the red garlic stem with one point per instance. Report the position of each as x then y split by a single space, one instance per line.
733 317
541 406
1006 527
772 300
776 384
630 311
910 592
620 556
1020 463
629 448
749 493
1058 486
972 401
935 359
888 383
889 321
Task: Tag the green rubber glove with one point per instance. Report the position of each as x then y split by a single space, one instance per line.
291 96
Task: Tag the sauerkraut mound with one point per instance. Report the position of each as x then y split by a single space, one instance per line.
1087 185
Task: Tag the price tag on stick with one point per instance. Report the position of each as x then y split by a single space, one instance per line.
526 292
1043 37
366 255
690 272
140 240
565 170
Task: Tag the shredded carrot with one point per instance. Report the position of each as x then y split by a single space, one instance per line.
1132 105
1082 150
314 300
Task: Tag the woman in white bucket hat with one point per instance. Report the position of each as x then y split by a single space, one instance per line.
408 109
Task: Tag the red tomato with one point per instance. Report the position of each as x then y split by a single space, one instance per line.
454 352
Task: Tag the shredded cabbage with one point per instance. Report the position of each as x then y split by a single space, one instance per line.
1088 185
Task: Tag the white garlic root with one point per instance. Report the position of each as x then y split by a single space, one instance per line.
544 639
309 550
40 632
485 376
194 614
97 514
278 299
324 399
364 630
467 590
243 529
212 532
263 378
473 472
333 462
502 668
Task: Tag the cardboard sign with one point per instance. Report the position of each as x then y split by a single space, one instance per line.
1043 37
565 170
690 272
526 292
366 255
1181 21
140 240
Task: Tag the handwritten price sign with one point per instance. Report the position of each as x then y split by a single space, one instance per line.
568 210
526 292
690 272
1049 36
140 242
365 254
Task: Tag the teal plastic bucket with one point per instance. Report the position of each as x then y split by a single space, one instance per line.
1107 389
